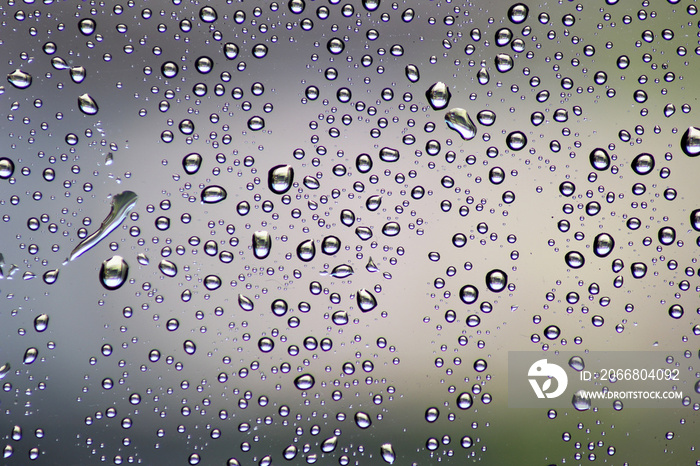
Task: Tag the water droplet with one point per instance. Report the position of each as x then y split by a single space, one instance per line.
78 74
412 73
468 294
247 304
87 104
464 400
504 62
667 235
280 178
391 229
388 454
690 141
518 13
20 79
362 420
576 363
87 26
387 154
363 163
695 219
574 259
638 269
191 163
5 369
50 276
212 282
7 168
458 119
306 250
41 322
579 402
342 271
483 76
600 160
262 243
496 280
330 245
603 244
366 300
438 95
208 14
266 344
304 382
168 268
516 140
643 164
30 355
114 272
552 332
213 194
120 206
256 123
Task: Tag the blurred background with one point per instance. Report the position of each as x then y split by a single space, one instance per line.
383 288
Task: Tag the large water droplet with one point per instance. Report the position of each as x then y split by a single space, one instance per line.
574 259
262 243
87 26
518 13
468 294
330 245
516 140
483 76
342 271
121 205
30 355
690 142
7 168
695 219
580 402
280 178
504 62
388 453
168 268
213 194
643 164
599 158
412 73
458 119
114 272
20 79
304 382
496 280
362 420
387 154
438 95
246 303
464 400
667 235
366 300
191 163
87 104
306 250
576 363
50 276
41 322
603 244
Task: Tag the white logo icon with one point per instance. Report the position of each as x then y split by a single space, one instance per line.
542 369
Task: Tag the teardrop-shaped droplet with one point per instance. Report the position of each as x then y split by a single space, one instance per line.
30 355
4 369
577 363
262 243
362 420
388 453
483 76
41 322
603 244
87 104
114 272
77 74
191 163
438 95
496 280
280 178
213 194
371 266
366 300
306 250
304 382
342 271
373 202
20 79
120 207
387 154
168 268
50 276
329 445
245 303
459 120
690 142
